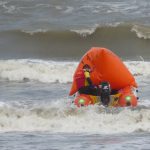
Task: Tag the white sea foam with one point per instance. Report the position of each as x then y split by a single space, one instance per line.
91 30
52 71
85 32
8 9
32 32
138 68
141 31
58 117
43 71
69 9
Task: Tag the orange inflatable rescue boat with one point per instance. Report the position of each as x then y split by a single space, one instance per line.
106 66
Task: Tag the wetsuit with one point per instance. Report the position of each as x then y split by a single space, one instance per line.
87 86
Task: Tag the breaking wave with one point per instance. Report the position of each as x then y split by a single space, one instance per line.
54 71
128 41
142 31
37 70
59 117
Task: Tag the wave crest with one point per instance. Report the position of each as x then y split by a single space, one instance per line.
59 118
122 39
141 31
37 70
54 71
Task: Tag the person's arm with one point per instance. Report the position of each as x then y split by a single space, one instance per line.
87 76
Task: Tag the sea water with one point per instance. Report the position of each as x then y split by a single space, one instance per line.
41 43
37 113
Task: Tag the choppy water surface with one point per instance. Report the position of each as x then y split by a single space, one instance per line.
36 113
41 43
67 29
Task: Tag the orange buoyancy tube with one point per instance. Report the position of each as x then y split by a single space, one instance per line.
83 100
127 98
106 66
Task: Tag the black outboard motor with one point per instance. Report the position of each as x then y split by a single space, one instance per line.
105 93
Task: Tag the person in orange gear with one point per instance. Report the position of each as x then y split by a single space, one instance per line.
84 82
85 86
